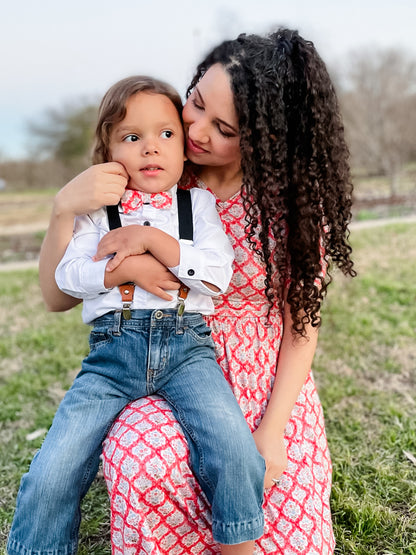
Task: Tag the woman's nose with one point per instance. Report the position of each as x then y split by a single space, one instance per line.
198 131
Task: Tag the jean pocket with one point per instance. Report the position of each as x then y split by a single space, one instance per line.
98 338
201 333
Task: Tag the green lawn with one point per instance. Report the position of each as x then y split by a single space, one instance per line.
365 368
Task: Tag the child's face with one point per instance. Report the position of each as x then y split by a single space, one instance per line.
149 142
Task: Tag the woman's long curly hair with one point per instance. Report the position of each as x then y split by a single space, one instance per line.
296 181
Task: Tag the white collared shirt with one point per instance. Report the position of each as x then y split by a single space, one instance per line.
209 258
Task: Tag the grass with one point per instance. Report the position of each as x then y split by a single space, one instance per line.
40 354
365 367
366 372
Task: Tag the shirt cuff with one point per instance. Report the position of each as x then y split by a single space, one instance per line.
191 270
92 277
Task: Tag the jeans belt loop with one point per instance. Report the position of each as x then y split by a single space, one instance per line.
116 329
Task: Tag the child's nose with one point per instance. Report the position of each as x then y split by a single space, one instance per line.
149 149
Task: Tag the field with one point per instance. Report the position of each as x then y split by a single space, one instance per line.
365 368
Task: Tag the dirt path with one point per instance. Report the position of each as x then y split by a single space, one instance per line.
21 229
17 266
365 224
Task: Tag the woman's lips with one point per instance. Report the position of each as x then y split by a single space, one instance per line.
193 147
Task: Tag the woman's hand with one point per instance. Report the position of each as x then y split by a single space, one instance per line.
146 272
99 185
122 242
273 450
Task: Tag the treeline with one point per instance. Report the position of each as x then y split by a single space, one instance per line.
377 93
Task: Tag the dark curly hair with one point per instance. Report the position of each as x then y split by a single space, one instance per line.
296 181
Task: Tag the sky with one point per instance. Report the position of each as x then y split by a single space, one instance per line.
54 53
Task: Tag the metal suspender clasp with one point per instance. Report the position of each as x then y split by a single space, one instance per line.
182 294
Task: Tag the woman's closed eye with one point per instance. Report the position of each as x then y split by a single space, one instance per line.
196 104
225 133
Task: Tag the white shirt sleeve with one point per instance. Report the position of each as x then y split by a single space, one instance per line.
77 274
211 256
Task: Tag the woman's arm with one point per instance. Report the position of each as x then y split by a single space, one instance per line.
99 185
294 363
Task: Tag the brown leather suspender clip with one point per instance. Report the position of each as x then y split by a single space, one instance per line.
127 293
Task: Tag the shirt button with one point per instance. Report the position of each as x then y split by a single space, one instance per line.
191 272
146 223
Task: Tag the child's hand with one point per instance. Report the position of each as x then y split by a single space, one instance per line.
273 450
99 185
122 242
146 272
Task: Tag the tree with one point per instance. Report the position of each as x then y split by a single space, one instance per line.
66 134
378 103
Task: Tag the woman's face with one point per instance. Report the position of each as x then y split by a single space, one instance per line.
211 123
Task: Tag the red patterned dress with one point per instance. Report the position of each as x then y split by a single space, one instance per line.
157 505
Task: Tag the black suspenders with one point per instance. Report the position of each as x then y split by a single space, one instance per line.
186 226
186 231
113 216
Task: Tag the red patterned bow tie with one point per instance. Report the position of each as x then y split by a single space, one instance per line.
133 200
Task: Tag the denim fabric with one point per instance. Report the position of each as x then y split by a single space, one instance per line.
154 352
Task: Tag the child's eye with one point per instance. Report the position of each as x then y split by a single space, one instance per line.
131 138
167 134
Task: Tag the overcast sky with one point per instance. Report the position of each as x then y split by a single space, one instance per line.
54 52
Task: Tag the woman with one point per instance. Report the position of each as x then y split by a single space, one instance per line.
264 134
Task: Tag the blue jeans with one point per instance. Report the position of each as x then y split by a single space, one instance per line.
154 352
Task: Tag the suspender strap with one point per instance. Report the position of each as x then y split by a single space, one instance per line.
186 226
126 289
186 232
113 216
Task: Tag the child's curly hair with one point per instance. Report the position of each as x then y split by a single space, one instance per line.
296 180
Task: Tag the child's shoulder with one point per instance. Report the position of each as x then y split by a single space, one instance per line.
202 196
98 218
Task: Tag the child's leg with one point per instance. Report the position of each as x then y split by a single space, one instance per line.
223 452
47 510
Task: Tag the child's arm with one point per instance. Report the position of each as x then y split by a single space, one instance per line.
76 274
146 272
206 265
139 240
